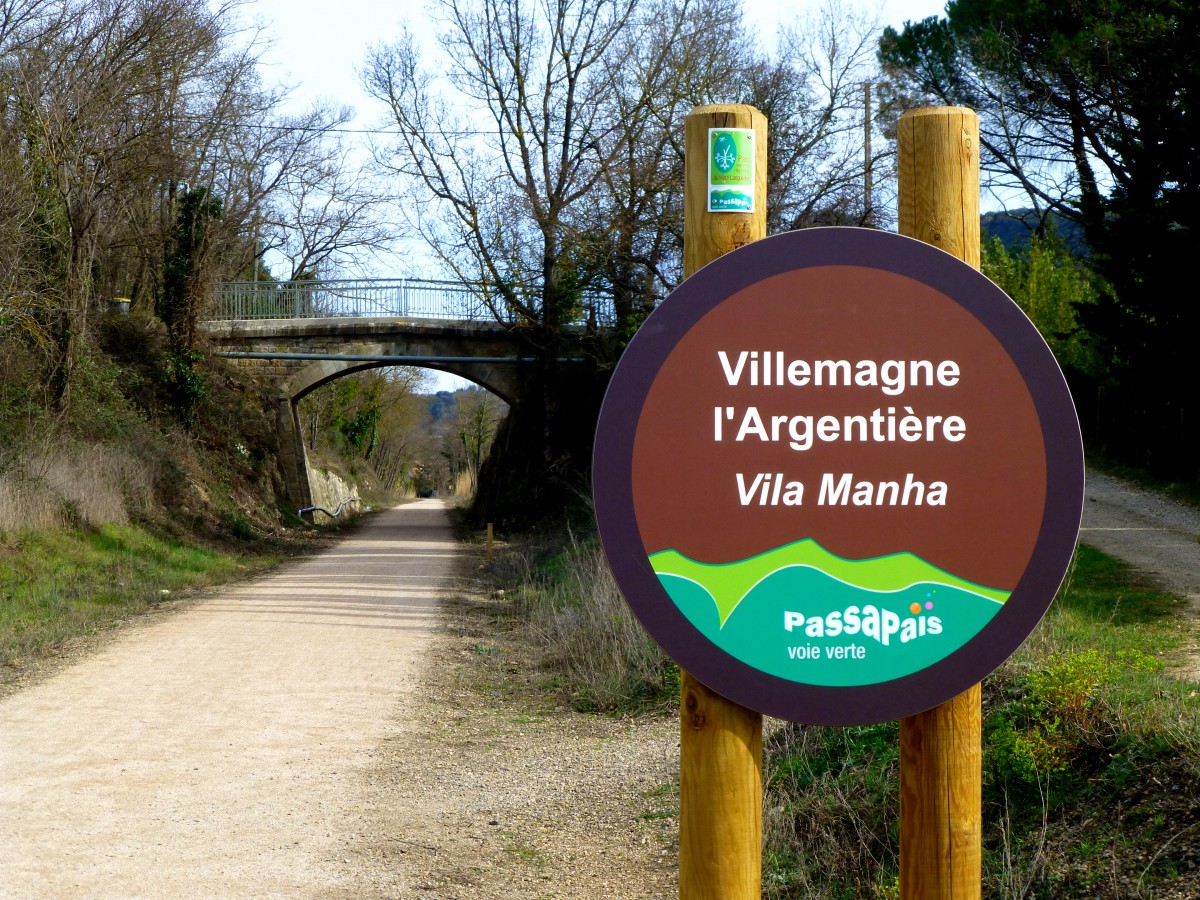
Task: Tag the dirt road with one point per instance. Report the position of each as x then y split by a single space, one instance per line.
220 753
1152 532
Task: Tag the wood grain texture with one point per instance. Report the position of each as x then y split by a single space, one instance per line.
720 754
940 800
709 235
938 167
940 759
720 797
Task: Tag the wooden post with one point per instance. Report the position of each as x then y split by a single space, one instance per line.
720 755
940 750
709 235
489 540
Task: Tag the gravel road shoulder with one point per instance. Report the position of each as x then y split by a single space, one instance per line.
489 790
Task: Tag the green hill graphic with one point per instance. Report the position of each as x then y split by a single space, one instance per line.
729 583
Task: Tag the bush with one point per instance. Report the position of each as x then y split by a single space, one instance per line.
1061 713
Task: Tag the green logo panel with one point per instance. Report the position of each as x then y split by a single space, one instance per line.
807 616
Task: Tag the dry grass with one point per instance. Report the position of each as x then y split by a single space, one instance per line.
27 505
830 812
568 605
57 488
464 485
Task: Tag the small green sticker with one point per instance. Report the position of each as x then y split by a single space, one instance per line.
731 170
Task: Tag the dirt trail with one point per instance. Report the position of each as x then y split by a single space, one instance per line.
1157 535
221 752
1147 529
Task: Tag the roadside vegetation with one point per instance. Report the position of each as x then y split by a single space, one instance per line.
114 506
1091 745
61 584
561 599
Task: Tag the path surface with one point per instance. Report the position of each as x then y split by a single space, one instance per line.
222 752
1149 530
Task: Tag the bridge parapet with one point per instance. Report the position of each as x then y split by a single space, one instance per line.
285 352
372 297
376 298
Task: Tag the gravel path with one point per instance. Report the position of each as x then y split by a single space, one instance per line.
305 735
1149 530
1157 535
215 754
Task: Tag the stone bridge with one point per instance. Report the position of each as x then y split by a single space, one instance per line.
300 335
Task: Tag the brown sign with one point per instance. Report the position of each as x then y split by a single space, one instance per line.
838 476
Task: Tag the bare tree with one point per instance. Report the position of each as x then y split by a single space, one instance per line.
682 54
546 164
477 416
496 198
325 210
813 95
137 138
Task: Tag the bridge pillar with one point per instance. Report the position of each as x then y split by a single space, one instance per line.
293 458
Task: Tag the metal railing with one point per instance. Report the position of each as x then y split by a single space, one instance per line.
374 298
332 515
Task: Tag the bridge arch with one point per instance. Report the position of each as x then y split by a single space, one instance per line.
506 380
293 451
296 356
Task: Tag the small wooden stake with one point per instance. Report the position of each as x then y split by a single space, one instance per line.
720 756
940 756
489 541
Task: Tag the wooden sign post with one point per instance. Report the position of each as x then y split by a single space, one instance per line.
799 469
720 754
940 757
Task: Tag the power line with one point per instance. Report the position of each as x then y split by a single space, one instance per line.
322 129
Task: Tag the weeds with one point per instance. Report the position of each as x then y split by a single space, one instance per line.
569 605
831 812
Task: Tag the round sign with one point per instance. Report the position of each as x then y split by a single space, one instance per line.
838 476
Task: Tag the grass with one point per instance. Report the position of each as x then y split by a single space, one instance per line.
59 584
567 604
662 802
1091 765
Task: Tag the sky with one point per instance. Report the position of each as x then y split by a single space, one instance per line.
317 45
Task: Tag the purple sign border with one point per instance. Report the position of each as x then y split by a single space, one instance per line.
613 476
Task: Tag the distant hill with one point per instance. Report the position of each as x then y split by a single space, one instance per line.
1014 228
442 406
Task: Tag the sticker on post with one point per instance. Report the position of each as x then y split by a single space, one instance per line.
731 170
